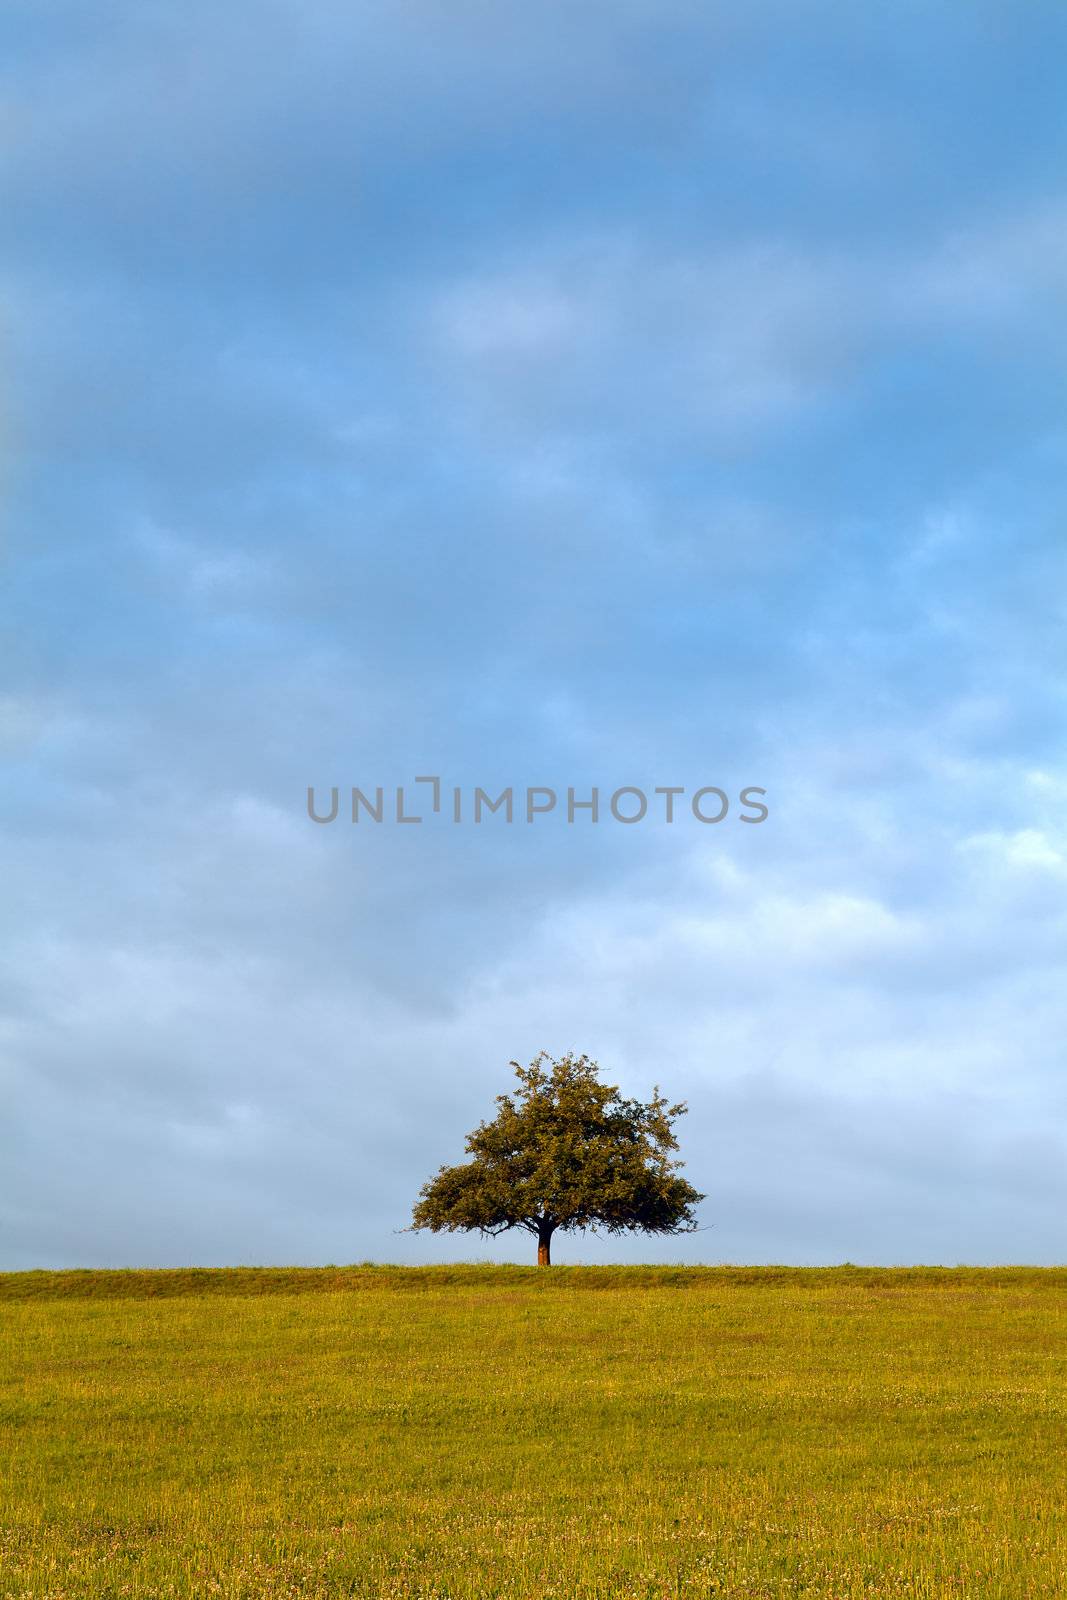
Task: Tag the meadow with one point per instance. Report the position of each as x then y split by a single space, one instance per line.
575 1432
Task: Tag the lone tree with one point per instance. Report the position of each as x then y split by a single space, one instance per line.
565 1151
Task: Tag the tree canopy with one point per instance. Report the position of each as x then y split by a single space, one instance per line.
565 1152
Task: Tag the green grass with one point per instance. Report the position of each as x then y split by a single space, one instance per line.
578 1432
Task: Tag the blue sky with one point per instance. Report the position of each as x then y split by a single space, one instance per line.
577 394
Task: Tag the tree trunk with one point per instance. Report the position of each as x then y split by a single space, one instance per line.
544 1247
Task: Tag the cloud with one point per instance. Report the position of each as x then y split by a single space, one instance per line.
530 400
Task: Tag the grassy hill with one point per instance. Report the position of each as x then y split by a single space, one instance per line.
499 1431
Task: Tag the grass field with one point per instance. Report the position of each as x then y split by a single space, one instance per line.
578 1432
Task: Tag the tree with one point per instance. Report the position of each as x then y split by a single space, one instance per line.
566 1152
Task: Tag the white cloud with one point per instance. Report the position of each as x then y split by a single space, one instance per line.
1027 850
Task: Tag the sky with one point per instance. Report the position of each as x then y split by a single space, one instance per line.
616 395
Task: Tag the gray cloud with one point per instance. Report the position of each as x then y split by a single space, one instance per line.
353 434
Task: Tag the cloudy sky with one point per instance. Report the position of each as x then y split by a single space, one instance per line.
579 394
